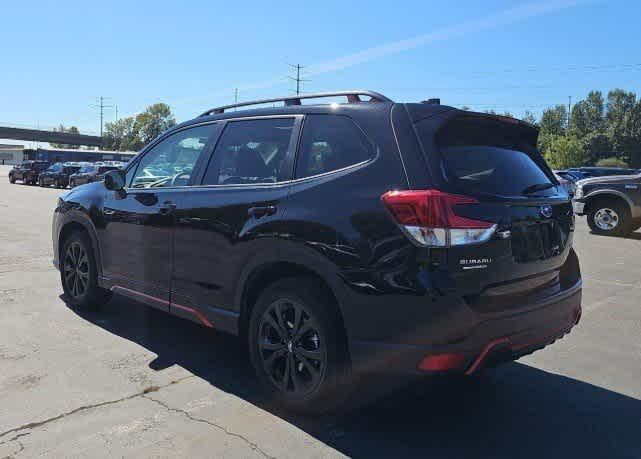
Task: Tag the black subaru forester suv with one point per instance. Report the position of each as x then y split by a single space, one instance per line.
336 239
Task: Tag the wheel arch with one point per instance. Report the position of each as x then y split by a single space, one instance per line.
266 274
615 195
77 224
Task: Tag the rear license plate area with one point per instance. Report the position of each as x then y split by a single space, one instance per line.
535 242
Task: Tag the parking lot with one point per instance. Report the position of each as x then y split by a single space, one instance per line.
130 382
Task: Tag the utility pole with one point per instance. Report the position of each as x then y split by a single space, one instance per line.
116 109
101 106
298 78
236 98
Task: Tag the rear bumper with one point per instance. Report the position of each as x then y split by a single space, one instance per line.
492 340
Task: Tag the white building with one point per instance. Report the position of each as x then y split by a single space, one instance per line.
11 154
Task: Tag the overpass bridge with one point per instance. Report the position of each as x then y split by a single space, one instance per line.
51 136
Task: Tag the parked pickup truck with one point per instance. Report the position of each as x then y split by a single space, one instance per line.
612 204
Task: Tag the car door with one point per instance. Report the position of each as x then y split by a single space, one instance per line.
233 217
138 222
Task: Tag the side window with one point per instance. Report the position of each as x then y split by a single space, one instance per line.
172 161
328 143
252 151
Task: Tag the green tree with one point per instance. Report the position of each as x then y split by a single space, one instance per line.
633 139
612 162
68 130
529 117
565 151
553 123
155 120
597 146
620 117
122 135
588 115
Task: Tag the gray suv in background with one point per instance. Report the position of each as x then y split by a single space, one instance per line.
612 204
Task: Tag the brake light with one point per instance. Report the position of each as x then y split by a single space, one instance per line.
428 217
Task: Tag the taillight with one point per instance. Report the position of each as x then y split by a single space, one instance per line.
428 217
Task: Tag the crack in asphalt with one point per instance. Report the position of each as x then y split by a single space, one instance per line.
191 417
15 438
36 424
20 445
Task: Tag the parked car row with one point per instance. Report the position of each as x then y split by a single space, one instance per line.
61 175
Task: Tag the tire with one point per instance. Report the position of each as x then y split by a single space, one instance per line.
609 218
318 357
12 180
78 273
41 182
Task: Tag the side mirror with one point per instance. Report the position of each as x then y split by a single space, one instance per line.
115 180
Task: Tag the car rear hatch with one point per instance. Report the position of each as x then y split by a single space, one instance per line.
503 224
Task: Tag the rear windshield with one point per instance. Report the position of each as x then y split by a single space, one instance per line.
490 156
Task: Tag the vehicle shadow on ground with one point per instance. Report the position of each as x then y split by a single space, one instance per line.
515 411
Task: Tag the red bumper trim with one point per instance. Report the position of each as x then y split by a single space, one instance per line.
489 347
199 315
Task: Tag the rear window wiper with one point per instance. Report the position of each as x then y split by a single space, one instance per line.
538 187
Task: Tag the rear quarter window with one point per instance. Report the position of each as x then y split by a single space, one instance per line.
329 143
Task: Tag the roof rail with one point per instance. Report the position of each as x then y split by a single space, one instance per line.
352 97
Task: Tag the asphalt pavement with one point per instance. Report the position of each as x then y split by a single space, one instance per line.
129 382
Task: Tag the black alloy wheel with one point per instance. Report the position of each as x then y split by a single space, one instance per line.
76 270
298 347
291 347
79 274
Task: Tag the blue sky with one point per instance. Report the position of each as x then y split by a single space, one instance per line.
57 57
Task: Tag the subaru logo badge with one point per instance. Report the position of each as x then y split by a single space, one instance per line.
546 211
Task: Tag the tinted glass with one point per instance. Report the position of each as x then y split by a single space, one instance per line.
493 170
329 143
487 155
252 151
172 161
103 169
